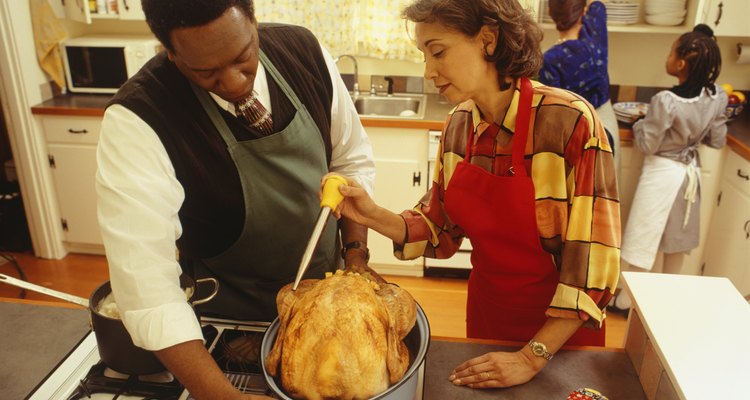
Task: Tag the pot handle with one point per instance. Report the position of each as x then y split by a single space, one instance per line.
210 296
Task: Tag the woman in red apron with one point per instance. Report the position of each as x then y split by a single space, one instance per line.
527 173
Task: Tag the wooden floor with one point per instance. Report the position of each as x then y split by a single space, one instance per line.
443 299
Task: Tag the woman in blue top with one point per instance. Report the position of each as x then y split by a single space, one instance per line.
578 61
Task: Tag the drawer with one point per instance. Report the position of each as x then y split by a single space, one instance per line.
75 130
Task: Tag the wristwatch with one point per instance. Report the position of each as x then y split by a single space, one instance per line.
540 350
356 245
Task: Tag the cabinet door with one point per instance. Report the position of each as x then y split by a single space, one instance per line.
401 166
77 10
728 251
728 17
130 10
73 171
728 244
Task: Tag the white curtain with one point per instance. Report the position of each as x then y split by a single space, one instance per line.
372 28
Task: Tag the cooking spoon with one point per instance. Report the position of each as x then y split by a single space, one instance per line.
331 199
41 289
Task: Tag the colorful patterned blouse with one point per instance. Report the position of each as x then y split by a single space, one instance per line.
570 162
581 65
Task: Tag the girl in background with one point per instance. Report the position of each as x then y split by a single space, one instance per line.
666 206
578 61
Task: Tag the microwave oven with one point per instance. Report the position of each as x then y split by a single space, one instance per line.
101 64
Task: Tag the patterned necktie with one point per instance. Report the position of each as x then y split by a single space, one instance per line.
255 114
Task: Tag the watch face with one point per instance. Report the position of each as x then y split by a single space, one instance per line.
537 349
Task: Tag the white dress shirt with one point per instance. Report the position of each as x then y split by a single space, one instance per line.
139 198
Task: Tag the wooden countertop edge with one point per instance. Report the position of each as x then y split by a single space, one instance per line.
521 344
740 148
68 111
402 123
46 303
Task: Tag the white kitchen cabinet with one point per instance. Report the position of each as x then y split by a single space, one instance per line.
78 10
71 147
727 17
630 171
400 157
728 247
695 13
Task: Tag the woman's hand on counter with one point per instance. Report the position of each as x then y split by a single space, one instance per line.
496 369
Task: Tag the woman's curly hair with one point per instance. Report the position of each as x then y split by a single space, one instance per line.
518 52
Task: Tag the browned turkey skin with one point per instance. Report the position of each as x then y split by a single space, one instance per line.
341 337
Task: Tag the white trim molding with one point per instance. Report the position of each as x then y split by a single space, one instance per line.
20 78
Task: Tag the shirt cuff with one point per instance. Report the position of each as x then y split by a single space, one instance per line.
164 326
569 302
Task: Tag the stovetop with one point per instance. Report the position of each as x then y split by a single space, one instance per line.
234 345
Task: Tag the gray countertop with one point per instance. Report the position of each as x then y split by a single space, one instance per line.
608 371
35 339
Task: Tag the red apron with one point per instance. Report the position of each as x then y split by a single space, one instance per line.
513 278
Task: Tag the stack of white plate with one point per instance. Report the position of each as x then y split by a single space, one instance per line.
665 12
629 111
622 12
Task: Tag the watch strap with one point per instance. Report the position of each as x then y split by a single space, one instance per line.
356 245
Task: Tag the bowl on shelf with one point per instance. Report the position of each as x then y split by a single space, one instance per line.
734 110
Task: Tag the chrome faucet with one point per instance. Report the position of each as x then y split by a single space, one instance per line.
355 86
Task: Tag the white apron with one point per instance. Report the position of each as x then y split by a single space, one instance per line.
658 187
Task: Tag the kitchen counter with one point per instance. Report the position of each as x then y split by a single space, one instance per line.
29 324
436 110
37 335
607 370
690 331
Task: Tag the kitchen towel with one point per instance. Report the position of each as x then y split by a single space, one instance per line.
743 53
48 33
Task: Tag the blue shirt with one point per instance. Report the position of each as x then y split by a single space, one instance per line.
581 65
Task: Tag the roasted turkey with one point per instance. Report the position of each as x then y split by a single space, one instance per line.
341 337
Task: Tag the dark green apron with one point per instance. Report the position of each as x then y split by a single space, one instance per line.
280 176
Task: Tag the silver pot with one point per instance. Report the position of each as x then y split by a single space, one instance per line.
417 341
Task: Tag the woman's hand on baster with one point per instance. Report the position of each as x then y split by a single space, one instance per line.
357 205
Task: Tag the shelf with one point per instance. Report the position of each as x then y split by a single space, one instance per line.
634 28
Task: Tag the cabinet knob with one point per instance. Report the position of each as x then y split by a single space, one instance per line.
77 131
416 178
741 175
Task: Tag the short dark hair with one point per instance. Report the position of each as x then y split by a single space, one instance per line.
518 52
701 53
566 13
164 16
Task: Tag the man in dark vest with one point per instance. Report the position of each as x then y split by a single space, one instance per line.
215 151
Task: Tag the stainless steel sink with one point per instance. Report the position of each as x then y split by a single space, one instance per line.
409 106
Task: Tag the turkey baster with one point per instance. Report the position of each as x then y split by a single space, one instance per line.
331 199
